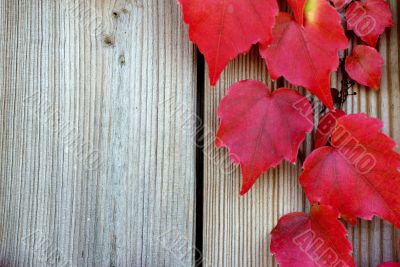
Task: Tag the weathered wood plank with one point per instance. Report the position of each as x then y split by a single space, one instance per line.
236 229
97 147
377 241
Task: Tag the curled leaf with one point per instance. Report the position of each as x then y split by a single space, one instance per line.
364 65
326 125
318 239
298 9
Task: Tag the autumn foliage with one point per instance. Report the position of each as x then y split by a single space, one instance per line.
354 170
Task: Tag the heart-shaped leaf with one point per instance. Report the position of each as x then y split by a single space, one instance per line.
261 128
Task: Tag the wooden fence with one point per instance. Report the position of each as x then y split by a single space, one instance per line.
101 159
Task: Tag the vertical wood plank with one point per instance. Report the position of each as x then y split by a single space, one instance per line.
378 241
236 229
97 145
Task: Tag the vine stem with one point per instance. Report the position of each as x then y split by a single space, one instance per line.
347 82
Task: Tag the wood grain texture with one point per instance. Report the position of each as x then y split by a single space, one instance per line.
97 151
378 241
236 229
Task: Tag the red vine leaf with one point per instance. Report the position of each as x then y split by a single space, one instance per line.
369 19
318 239
223 29
364 66
359 174
325 127
389 264
261 128
306 54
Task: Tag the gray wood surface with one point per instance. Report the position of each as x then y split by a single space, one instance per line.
236 229
97 145
98 149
